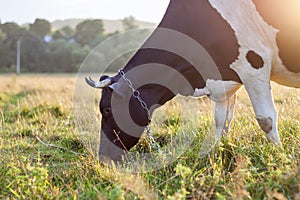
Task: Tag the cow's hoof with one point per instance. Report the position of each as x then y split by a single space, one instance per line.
274 139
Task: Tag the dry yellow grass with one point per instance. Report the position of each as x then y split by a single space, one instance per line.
43 104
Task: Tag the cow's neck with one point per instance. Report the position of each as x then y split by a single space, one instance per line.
158 76
162 67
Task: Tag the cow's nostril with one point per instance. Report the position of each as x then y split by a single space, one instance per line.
106 112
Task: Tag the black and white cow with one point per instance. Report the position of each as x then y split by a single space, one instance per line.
245 43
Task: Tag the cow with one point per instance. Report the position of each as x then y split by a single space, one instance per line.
203 48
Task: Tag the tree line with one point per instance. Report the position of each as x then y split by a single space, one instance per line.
44 50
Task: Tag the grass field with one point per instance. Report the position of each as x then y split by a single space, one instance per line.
243 166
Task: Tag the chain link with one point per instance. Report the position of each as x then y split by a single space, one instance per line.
152 141
137 95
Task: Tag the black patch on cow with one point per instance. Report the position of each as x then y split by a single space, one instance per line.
255 60
265 124
198 20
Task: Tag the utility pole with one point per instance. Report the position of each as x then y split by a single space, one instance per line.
18 66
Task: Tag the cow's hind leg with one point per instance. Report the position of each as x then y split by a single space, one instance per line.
223 115
223 93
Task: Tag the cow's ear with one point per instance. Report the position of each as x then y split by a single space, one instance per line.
116 87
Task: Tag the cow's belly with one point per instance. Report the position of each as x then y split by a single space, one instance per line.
284 76
284 16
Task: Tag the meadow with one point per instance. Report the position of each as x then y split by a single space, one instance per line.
37 110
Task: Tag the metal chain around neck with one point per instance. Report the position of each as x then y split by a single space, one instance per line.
137 95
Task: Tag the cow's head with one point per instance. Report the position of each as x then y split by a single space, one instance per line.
114 141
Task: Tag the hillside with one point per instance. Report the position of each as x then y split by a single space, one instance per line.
109 25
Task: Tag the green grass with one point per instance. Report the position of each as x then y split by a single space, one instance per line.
242 166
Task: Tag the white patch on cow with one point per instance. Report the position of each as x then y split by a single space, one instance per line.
221 91
199 92
253 33
217 90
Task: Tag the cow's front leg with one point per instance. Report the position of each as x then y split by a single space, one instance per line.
262 100
224 111
256 80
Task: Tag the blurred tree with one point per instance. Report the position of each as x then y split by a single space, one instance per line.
129 23
6 57
2 35
41 27
59 56
67 31
97 40
10 29
32 52
88 30
8 44
58 35
79 54
63 56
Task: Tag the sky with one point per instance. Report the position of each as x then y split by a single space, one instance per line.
26 11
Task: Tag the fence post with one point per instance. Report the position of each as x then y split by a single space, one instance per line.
18 66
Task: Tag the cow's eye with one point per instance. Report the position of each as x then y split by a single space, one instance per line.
106 112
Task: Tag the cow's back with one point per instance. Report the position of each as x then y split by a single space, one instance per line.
200 21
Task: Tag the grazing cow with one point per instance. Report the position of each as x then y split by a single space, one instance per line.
242 46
